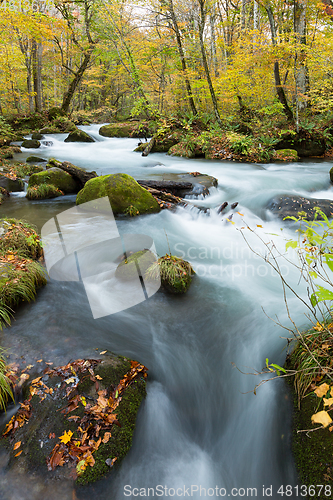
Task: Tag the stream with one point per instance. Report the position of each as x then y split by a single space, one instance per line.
201 432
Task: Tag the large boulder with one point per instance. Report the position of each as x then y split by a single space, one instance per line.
30 144
57 177
289 206
79 136
123 192
305 143
116 130
285 155
10 184
331 175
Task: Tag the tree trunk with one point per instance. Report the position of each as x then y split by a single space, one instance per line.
75 82
278 84
301 69
182 58
255 15
204 61
36 51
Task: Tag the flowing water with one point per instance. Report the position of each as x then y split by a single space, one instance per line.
201 425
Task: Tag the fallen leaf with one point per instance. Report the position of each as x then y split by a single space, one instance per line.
70 380
98 377
83 401
110 461
321 390
17 445
322 418
35 380
39 360
106 437
52 435
240 214
103 352
29 367
259 225
81 466
328 402
66 437
18 454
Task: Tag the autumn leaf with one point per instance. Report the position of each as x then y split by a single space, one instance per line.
321 390
81 466
83 401
98 377
259 225
103 352
106 437
328 402
322 418
66 437
17 445
240 214
18 454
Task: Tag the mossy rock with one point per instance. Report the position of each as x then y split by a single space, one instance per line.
30 144
57 177
23 170
116 130
55 112
181 150
331 175
175 274
285 155
134 265
305 143
141 147
50 130
20 238
79 136
123 192
11 185
37 135
43 192
47 420
35 159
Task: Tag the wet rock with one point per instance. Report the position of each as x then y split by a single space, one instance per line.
30 144
56 177
10 184
79 136
134 265
285 155
289 206
35 159
37 135
175 274
123 192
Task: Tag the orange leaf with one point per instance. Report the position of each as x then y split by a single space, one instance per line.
106 437
17 445
18 454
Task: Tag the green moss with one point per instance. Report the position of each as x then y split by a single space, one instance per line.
78 135
116 130
43 192
285 155
122 190
55 176
30 144
22 170
121 439
175 273
20 238
34 159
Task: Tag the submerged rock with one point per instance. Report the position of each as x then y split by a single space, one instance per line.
35 159
123 192
289 206
57 177
134 265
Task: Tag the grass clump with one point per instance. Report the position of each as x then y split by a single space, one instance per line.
43 191
23 170
175 273
5 388
19 237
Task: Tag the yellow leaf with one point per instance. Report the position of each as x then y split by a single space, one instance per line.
98 377
259 225
103 352
322 418
70 380
328 402
321 390
318 327
66 437
232 222
17 445
83 401
81 466
106 437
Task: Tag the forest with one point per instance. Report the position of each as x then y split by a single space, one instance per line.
212 59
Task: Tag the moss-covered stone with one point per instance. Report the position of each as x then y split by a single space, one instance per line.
285 155
79 136
116 130
175 274
30 144
57 177
36 135
3 194
331 175
35 159
43 192
123 192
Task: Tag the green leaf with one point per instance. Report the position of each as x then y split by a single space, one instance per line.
323 294
278 368
292 244
314 300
